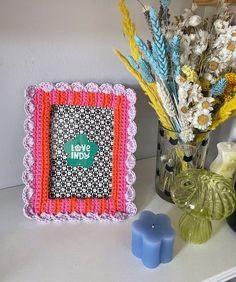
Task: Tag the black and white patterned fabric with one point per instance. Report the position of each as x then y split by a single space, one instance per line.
67 181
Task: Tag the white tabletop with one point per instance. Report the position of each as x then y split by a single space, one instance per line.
66 252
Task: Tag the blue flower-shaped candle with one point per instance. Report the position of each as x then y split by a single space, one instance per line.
153 239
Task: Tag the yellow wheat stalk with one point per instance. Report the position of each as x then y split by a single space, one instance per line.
226 111
129 30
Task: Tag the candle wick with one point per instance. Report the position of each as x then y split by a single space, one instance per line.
153 226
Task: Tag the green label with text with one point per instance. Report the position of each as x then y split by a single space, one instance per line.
80 151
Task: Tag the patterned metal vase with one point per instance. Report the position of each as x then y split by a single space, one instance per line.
173 157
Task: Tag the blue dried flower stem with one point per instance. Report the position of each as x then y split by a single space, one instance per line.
147 54
219 87
159 43
152 61
132 62
142 67
158 61
145 70
175 54
155 56
174 49
165 3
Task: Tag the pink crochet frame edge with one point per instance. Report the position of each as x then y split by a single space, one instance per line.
28 160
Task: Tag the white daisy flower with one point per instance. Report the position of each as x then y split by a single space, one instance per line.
184 87
232 32
187 135
233 38
195 94
216 65
221 26
231 47
226 53
206 104
185 115
183 95
202 119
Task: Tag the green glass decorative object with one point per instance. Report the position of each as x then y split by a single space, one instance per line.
204 196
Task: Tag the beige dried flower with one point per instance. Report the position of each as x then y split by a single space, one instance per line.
194 21
221 26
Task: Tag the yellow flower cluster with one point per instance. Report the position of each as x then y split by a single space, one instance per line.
231 86
190 74
231 78
231 82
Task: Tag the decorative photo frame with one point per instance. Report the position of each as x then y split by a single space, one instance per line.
80 145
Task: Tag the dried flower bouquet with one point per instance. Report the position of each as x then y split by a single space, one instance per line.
188 69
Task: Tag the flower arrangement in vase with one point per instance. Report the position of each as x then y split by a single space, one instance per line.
188 71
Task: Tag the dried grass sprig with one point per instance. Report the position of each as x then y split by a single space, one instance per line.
164 15
148 20
129 30
166 99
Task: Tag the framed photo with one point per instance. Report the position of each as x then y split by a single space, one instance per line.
80 145
211 2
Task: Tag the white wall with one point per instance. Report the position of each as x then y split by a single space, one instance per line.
57 40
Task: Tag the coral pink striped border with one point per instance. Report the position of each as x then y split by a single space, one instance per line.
33 110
